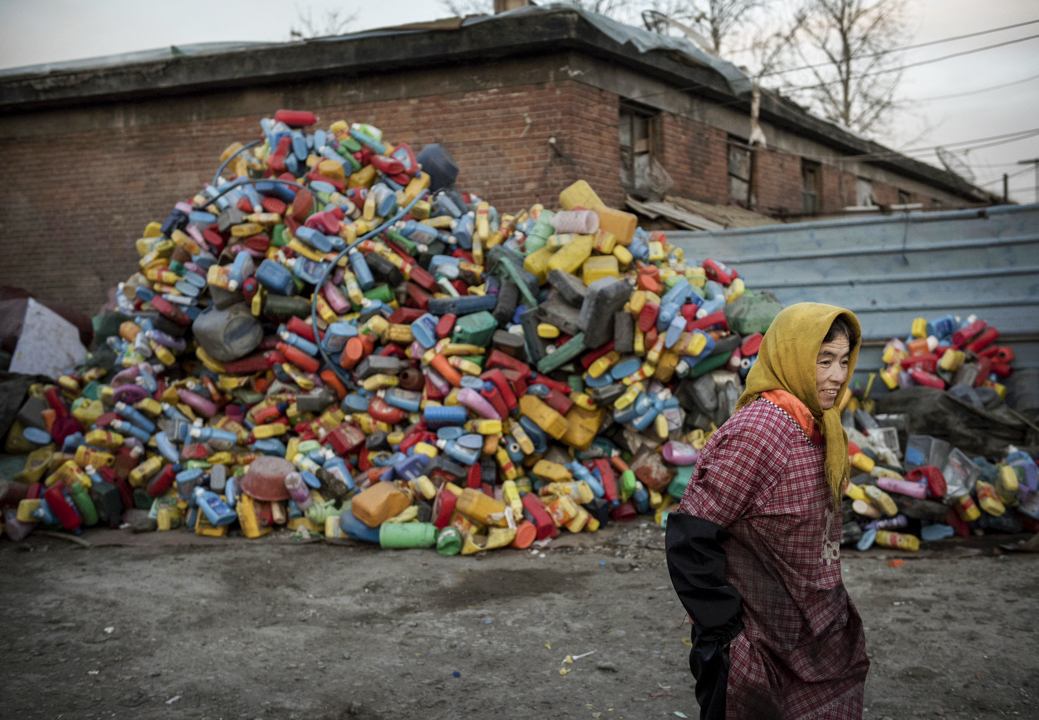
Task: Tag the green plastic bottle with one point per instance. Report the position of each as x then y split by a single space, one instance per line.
86 506
449 541
407 535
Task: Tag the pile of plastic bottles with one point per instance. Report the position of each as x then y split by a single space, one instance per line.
335 339
947 353
933 491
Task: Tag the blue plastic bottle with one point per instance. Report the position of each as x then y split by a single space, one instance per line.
242 269
124 427
166 448
580 472
361 270
135 416
317 240
215 509
336 467
296 341
276 278
436 417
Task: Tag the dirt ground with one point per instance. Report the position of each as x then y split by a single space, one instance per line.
172 626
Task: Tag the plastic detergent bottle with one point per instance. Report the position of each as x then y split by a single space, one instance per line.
215 509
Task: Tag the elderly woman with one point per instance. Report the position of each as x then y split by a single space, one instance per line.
754 551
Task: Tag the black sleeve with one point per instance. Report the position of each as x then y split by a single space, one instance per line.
696 563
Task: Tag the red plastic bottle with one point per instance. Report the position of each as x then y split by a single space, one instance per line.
984 340
491 394
295 118
542 520
497 377
965 335
61 508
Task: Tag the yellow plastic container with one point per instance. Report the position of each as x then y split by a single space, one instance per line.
580 194
552 472
88 456
621 224
572 255
919 328
537 263
862 462
26 508
379 503
481 508
582 426
68 473
623 255
598 267
900 541
1008 479
140 475
881 500
105 439
577 491
988 499
605 242
545 417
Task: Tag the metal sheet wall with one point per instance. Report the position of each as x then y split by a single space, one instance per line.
892 269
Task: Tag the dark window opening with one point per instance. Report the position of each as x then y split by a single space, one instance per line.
639 139
864 196
740 169
811 182
903 197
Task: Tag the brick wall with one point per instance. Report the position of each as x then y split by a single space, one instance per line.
74 205
777 182
695 156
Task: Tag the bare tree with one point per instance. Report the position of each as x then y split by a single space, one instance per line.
462 8
335 22
719 20
611 8
850 65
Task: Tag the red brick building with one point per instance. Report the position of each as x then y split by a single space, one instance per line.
527 102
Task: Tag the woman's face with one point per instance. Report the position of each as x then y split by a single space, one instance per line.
831 370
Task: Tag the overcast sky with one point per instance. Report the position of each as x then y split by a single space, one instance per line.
41 31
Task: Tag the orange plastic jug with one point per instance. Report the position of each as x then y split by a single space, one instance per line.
379 503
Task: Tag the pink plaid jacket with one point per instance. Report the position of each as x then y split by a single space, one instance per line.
802 653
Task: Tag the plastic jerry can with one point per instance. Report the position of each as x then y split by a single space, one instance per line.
355 529
580 194
107 503
481 508
621 224
378 504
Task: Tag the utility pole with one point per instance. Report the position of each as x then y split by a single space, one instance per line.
1035 162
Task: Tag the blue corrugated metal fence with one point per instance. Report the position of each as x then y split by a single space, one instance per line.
891 269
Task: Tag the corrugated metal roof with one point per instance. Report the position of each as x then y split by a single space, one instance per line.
890 270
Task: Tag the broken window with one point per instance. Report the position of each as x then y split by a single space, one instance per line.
903 197
638 135
739 172
811 177
864 193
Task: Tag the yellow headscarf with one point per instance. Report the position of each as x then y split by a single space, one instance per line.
786 361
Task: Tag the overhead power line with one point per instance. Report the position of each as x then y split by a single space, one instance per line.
940 41
900 67
978 91
1009 177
